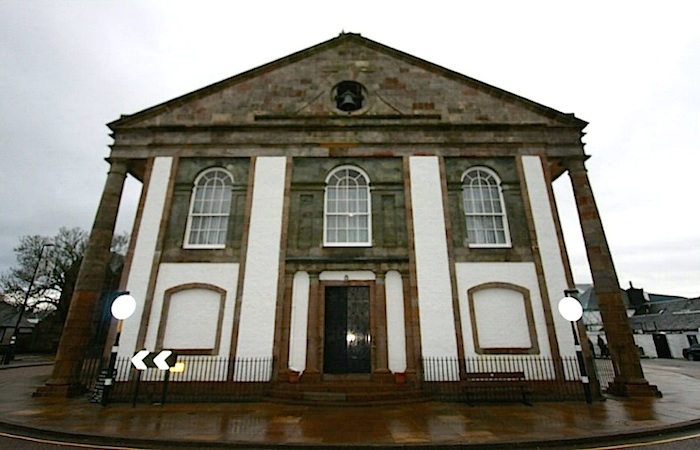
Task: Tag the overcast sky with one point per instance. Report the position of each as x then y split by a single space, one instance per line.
631 69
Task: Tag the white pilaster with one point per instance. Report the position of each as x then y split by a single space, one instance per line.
144 250
395 322
549 246
432 263
259 298
299 321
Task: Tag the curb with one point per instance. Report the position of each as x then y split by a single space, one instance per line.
593 440
596 440
609 438
20 366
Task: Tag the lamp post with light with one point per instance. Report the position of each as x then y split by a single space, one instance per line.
570 309
15 333
122 308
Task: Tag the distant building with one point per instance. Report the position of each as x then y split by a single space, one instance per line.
663 325
8 321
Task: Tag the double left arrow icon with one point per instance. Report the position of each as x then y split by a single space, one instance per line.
163 360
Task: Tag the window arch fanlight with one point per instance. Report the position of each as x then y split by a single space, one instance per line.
347 218
484 209
210 207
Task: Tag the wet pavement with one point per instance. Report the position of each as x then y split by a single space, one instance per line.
257 425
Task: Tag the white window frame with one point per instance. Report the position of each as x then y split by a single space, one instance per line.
490 206
221 213
332 177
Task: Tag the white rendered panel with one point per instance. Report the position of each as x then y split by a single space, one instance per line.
144 249
193 319
257 320
432 264
299 322
395 324
504 310
548 243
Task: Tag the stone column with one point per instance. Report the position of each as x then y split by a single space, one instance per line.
282 334
314 331
629 377
378 315
411 321
65 380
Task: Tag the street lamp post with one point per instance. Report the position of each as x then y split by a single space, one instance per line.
122 308
13 339
570 309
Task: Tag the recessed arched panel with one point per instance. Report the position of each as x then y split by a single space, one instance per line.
191 319
502 319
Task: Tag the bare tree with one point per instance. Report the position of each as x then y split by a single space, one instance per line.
58 265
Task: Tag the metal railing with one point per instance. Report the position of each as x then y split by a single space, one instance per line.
215 379
542 378
204 379
605 371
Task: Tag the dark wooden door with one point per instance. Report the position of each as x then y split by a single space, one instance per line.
662 348
346 345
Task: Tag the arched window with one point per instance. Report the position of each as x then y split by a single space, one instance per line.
347 219
210 208
487 224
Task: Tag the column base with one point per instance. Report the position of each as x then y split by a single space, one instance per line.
60 390
634 389
383 376
311 376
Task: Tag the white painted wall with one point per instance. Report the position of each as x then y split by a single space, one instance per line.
550 251
470 275
676 343
260 282
144 249
299 322
646 341
432 263
395 323
193 320
502 319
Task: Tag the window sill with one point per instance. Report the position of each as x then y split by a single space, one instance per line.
203 247
489 246
346 245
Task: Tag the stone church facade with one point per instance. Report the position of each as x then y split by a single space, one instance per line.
347 211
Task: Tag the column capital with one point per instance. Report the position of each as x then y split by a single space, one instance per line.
575 163
118 165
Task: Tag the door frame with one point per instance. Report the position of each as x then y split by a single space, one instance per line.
371 284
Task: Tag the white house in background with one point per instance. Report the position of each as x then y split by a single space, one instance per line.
663 325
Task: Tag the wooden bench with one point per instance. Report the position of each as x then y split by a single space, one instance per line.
500 381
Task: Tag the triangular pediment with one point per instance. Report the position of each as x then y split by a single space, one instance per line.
301 87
